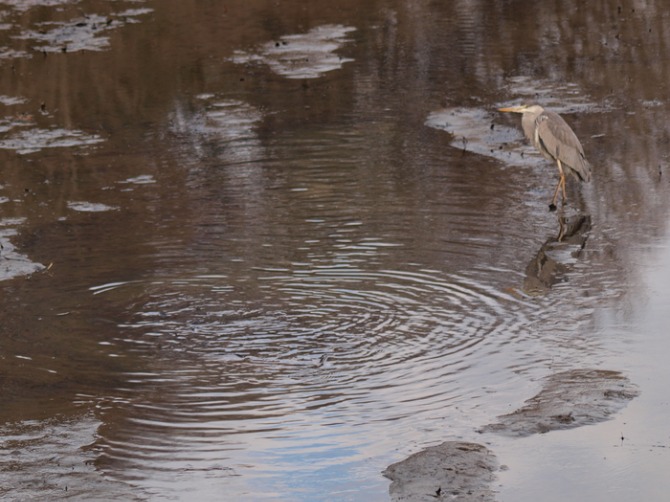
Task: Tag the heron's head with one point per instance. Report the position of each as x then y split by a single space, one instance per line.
523 109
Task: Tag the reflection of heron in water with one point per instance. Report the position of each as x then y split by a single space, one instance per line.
548 266
555 140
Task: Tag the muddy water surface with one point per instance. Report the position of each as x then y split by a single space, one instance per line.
262 251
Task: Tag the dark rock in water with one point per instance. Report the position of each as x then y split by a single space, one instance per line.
569 399
453 470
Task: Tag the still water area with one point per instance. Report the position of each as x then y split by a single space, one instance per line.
262 250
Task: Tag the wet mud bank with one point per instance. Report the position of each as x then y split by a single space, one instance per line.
568 399
39 461
466 471
453 470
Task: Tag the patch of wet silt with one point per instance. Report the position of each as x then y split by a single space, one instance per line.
54 460
568 399
90 207
19 132
464 471
13 263
80 34
453 470
478 130
34 140
303 55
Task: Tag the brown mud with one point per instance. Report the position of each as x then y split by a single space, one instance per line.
452 470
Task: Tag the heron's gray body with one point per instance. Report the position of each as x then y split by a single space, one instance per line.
555 140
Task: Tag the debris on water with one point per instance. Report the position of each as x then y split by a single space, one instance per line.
568 399
12 100
454 469
90 207
23 5
7 53
143 179
9 123
12 263
305 55
33 140
131 15
79 34
471 130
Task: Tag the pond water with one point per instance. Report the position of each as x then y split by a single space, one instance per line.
262 250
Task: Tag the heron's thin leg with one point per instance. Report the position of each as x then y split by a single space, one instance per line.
565 197
561 183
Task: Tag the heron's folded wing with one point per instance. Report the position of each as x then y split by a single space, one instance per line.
562 143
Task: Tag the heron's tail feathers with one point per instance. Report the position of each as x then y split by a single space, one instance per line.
583 169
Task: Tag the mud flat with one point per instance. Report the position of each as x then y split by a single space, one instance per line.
451 470
463 471
568 399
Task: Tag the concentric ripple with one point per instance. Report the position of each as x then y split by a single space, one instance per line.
230 377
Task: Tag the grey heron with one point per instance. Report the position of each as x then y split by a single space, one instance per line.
555 140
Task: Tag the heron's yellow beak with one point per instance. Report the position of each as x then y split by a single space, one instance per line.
514 109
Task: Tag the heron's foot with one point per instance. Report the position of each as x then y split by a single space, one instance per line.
552 207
